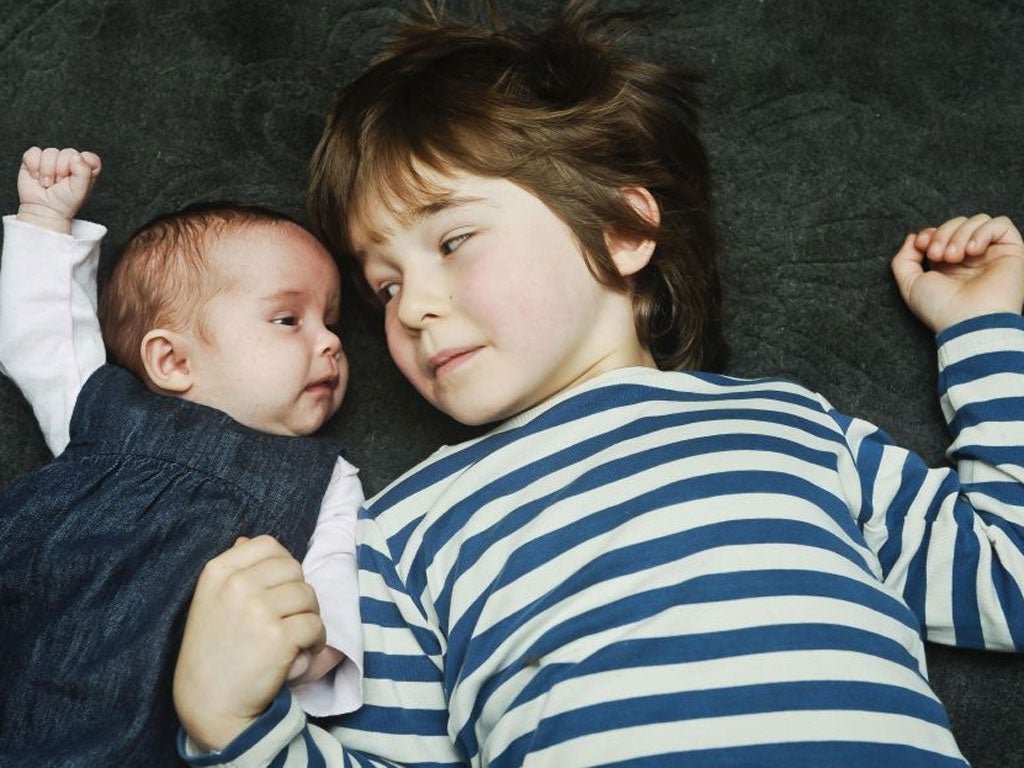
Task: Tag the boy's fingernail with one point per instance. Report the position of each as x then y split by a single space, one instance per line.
951 249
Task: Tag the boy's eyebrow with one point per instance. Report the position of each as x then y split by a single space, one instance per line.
435 207
383 233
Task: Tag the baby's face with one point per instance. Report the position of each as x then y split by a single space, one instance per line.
270 358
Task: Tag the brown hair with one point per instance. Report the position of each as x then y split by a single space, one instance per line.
163 276
562 112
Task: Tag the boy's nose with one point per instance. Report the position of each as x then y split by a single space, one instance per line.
420 301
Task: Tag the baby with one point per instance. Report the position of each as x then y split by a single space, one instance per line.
218 306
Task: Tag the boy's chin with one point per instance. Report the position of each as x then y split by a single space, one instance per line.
474 414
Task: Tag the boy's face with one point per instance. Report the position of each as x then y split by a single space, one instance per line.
269 360
490 308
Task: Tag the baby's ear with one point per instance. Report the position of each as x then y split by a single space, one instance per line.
629 252
165 354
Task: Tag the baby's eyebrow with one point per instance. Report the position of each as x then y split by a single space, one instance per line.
285 293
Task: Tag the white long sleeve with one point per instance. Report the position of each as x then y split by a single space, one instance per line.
330 568
50 340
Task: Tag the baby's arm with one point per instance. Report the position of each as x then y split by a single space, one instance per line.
975 266
50 340
330 568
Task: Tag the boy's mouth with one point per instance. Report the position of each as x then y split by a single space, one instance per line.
449 359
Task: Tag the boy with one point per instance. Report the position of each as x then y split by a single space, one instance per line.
638 566
221 307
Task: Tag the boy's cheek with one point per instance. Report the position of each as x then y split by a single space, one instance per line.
403 353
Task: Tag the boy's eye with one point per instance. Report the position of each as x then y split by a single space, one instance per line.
287 320
452 243
387 292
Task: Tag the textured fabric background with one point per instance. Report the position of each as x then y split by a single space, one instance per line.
834 129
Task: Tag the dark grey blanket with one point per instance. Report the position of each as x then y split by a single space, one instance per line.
834 129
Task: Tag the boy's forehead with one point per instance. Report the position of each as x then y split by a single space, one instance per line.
382 211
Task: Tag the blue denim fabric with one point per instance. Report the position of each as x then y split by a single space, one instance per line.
99 554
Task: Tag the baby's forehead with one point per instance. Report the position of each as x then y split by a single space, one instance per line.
281 236
240 250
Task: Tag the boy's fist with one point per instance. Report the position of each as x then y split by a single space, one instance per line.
961 269
252 617
53 184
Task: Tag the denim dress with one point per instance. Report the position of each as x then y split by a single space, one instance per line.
99 554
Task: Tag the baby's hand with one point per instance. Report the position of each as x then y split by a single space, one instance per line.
53 184
975 267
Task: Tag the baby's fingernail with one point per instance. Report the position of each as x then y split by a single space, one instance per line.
971 244
951 250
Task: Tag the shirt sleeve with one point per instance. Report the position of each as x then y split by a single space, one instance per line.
330 568
951 539
50 340
260 744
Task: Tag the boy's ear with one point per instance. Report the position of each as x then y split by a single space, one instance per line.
165 355
630 253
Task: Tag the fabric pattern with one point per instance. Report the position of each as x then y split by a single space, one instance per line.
101 549
668 567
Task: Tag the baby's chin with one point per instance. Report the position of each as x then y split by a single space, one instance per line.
291 428
315 425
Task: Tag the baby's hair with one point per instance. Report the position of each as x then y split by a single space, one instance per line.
564 113
163 276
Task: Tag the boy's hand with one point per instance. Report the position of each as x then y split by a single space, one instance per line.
974 267
53 184
252 617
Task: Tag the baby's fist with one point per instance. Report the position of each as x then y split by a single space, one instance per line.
53 184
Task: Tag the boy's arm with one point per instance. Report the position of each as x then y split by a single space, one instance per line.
229 704
251 616
50 340
952 541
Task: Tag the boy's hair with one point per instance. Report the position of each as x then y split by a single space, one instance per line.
163 276
563 113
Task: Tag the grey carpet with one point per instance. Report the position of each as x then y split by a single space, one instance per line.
834 129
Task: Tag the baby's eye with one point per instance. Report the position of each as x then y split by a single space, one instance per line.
452 243
286 320
387 292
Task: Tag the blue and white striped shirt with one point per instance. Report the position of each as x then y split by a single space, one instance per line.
658 567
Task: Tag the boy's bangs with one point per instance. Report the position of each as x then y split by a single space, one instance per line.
394 177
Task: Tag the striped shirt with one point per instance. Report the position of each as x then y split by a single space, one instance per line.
677 568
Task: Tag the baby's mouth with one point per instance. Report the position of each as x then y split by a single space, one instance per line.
324 385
